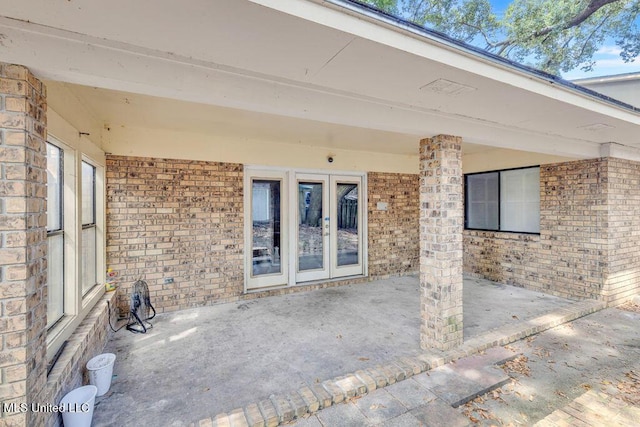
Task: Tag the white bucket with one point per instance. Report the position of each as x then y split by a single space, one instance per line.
100 371
77 406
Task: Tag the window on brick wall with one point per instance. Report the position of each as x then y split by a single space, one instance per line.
55 234
507 200
75 224
89 259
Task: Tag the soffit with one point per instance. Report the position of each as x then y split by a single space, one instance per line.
246 56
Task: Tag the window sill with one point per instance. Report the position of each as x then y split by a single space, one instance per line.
65 327
503 235
56 335
86 339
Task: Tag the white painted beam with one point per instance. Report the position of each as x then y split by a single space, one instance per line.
620 151
60 55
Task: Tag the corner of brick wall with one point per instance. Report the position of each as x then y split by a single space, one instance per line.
573 221
176 218
622 272
23 241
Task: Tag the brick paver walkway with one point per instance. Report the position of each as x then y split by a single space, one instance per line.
611 407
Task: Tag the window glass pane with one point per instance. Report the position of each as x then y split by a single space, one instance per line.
520 200
88 193
55 279
89 278
482 201
310 240
265 239
54 187
347 205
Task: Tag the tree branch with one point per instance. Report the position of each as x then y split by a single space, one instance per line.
592 7
416 11
586 42
490 44
503 46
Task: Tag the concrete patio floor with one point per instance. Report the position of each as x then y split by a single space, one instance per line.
200 362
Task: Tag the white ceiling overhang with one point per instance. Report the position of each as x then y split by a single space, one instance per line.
311 61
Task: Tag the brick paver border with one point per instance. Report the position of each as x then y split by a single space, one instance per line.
281 409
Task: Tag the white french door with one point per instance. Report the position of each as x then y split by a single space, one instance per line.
313 227
302 227
266 239
346 236
329 226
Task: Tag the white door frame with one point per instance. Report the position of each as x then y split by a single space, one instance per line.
252 282
289 215
352 269
325 271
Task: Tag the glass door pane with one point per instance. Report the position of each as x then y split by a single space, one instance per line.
312 194
266 233
346 228
310 224
347 223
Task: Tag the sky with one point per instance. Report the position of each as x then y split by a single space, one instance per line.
608 62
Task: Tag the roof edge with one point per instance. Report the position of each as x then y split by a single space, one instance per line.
441 38
611 78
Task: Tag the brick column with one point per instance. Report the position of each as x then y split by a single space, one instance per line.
441 223
23 242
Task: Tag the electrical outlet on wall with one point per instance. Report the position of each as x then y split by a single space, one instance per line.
382 206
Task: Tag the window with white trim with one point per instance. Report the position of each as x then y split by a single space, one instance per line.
75 234
506 200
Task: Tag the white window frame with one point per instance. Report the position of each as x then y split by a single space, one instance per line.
77 306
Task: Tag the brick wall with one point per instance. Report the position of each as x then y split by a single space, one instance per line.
176 218
503 257
573 209
441 259
394 233
87 341
184 219
588 232
23 242
622 272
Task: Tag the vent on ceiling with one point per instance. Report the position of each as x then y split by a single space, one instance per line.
596 127
447 87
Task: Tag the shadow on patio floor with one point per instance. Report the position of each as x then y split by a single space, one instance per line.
196 363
